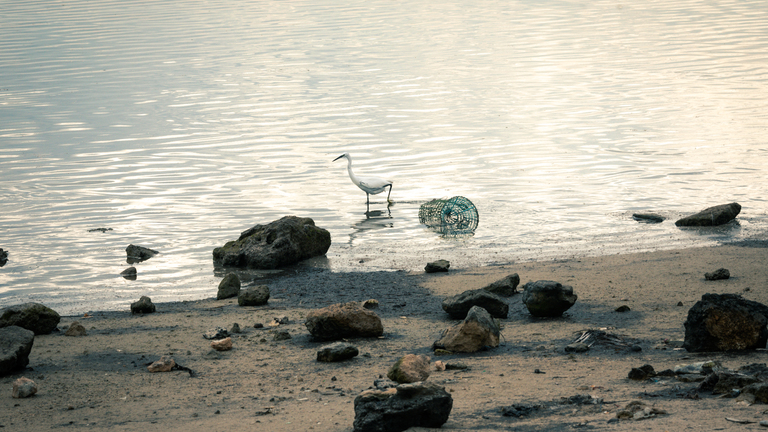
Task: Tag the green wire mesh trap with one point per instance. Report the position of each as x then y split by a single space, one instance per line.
450 216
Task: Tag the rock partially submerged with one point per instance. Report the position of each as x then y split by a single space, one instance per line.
648 217
548 298
139 253
343 320
129 273
478 331
459 305
280 243
726 322
32 316
403 407
712 216
15 346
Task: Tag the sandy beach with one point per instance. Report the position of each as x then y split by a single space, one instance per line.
100 381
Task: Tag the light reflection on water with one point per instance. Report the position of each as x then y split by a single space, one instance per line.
181 125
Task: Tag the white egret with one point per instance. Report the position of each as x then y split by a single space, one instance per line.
369 185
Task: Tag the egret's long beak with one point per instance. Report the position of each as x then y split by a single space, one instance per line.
338 158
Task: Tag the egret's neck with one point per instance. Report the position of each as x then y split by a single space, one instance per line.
349 170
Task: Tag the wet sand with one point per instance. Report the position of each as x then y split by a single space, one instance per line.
100 381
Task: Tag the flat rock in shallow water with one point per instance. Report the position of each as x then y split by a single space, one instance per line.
280 243
712 216
648 217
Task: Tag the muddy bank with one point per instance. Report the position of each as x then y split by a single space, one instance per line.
100 382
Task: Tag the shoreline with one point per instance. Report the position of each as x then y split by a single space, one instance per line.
100 381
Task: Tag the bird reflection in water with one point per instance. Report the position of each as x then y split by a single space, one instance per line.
374 220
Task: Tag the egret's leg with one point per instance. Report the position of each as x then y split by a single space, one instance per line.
367 198
388 193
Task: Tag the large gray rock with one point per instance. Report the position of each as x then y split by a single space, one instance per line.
459 305
406 406
15 346
280 243
548 298
343 320
505 287
726 322
32 316
228 287
254 296
717 215
478 331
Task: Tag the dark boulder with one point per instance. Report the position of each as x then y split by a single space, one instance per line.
548 298
439 266
3 257
712 216
457 306
139 253
280 243
254 296
648 217
143 306
726 322
228 287
32 316
719 274
505 287
343 320
337 352
15 346
129 273
406 406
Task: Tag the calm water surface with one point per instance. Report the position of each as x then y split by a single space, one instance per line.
180 124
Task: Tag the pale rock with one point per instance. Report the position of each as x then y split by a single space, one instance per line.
222 344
